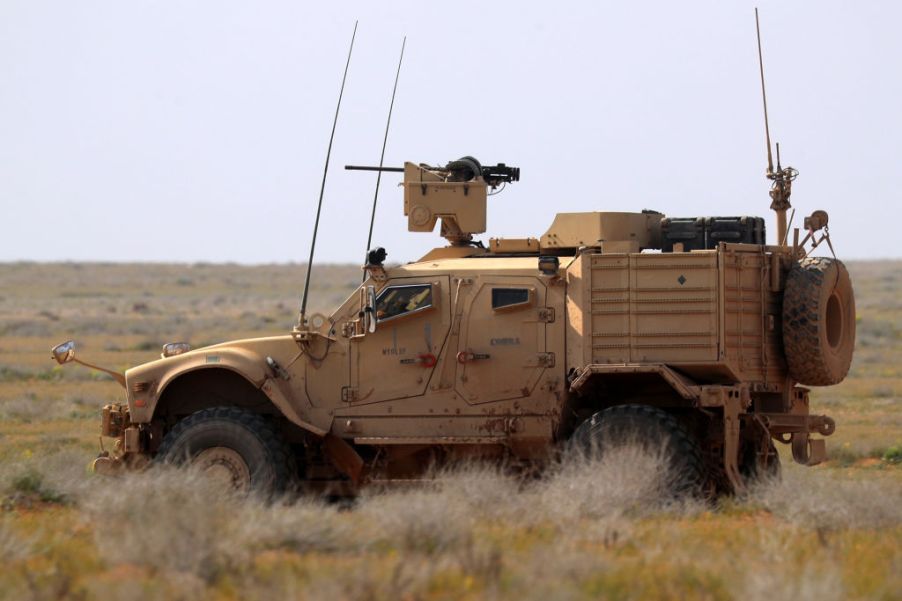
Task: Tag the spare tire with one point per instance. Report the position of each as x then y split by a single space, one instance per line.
818 321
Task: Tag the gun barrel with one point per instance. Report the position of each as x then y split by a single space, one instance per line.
369 168
500 173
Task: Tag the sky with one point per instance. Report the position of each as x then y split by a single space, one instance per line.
197 130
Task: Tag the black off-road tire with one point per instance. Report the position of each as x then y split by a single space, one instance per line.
652 429
271 464
818 321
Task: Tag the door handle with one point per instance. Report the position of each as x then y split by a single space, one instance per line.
422 359
467 356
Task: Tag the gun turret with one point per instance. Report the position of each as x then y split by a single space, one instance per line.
455 193
463 169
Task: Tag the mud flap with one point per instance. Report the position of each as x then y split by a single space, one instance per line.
343 457
807 450
731 426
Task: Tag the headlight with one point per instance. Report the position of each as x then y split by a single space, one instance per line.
175 348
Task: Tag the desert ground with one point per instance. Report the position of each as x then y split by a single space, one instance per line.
584 531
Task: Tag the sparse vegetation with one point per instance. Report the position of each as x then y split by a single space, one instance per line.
585 530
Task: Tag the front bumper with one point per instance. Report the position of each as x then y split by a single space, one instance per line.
129 452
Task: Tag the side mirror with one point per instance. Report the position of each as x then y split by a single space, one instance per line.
65 352
371 309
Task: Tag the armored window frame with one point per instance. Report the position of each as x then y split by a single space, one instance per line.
522 298
422 304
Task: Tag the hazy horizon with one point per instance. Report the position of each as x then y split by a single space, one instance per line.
196 132
300 264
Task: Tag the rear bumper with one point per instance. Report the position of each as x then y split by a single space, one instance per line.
782 424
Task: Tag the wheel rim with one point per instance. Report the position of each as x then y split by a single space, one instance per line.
224 465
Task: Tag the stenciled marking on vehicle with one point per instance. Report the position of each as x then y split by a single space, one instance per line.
212 358
505 341
394 351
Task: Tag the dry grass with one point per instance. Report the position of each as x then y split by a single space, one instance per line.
830 501
585 530
475 533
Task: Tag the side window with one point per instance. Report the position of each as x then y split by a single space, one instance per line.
508 298
396 301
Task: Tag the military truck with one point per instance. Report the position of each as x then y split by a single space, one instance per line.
691 335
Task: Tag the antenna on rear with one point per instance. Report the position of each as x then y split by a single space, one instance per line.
782 178
391 106
302 318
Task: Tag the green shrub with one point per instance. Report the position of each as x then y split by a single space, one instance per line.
30 484
893 454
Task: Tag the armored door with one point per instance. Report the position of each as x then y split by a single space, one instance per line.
397 359
502 350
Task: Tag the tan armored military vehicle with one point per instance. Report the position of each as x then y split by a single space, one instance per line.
690 335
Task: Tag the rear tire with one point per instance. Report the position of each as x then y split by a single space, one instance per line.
653 430
232 444
818 321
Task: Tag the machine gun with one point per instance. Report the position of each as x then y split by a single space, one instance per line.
455 193
462 170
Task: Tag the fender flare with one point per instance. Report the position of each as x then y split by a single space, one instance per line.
245 363
683 386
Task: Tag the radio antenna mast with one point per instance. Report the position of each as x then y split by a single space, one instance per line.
302 319
391 106
770 160
782 178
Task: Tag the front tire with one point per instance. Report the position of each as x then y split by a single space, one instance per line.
233 445
653 431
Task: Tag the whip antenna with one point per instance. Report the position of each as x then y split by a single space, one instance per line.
770 160
391 106
782 178
302 319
